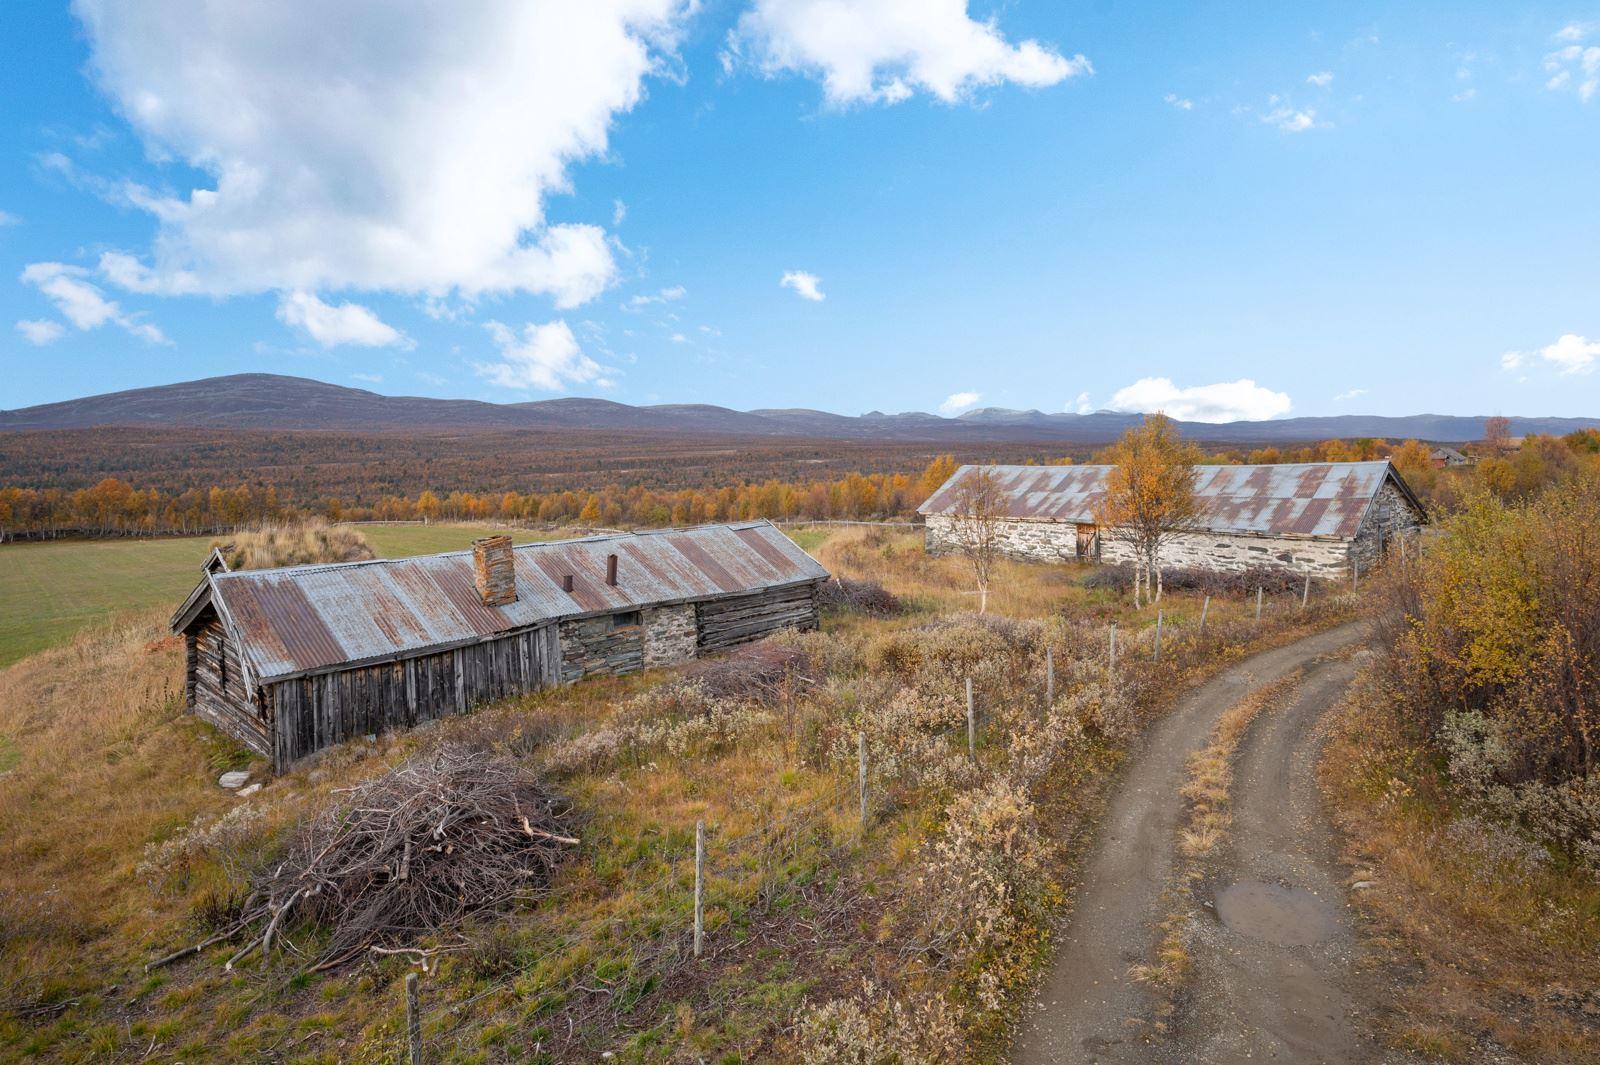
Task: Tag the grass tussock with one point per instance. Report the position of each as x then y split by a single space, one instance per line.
942 903
293 544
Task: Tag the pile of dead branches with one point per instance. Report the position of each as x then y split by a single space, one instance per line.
405 856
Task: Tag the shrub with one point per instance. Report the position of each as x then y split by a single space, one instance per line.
863 597
875 1028
1273 580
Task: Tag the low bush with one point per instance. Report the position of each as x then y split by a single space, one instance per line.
864 597
1272 580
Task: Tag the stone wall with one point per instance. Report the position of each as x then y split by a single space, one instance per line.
597 645
1052 541
1391 520
669 635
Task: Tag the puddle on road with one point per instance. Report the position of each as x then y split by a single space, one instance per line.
1291 916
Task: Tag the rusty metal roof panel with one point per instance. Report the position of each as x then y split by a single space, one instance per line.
1292 499
303 619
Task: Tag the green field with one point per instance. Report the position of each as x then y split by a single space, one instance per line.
48 591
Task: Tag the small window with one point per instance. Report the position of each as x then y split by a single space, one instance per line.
626 619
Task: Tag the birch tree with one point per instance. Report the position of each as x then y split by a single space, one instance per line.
975 525
1150 496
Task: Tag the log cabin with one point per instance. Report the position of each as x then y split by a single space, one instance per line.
290 661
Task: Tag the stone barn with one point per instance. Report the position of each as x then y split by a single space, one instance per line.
291 660
1322 518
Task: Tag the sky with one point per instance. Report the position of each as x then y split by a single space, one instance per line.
1219 210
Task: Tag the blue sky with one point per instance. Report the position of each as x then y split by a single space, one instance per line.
1222 211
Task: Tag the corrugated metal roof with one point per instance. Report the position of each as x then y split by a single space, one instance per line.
303 619
1293 499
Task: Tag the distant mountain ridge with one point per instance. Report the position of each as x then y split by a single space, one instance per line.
273 401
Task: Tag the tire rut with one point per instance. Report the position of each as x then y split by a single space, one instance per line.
1089 1009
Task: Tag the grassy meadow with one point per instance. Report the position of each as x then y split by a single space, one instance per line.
50 590
913 932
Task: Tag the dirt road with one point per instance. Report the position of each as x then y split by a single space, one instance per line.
1272 943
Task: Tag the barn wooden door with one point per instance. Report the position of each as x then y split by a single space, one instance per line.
1088 542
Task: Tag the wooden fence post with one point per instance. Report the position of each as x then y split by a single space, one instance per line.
699 886
861 743
1160 619
1355 574
972 724
413 1022
1049 677
1205 608
1305 596
1258 604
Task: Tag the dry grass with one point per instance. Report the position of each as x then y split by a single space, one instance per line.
293 544
1489 943
125 848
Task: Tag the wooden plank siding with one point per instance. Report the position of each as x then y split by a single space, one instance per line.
217 687
327 708
739 619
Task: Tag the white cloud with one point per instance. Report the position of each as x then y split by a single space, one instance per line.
545 357
1571 354
1290 119
82 302
679 338
41 331
1321 80
415 159
1081 405
619 211
809 286
666 295
957 402
330 326
1354 393
1227 401
1181 103
1574 65
883 51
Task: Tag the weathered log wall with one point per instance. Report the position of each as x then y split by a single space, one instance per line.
726 622
318 711
217 690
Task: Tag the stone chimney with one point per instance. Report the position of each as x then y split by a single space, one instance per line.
494 571
611 570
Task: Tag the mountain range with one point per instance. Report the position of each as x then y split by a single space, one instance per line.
272 401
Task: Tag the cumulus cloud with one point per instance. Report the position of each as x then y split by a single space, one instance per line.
1571 354
546 357
1227 401
41 331
808 286
330 326
1180 102
1354 393
1321 79
1574 66
416 159
884 51
957 402
1081 405
84 303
